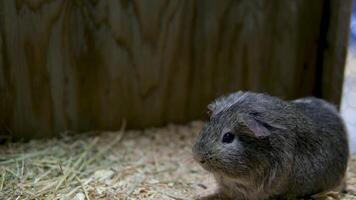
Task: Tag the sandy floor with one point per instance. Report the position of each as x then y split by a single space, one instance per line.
150 164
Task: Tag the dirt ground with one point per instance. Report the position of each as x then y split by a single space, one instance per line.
149 164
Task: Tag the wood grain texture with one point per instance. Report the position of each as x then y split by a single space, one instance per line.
88 64
334 49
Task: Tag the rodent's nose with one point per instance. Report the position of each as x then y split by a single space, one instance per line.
199 158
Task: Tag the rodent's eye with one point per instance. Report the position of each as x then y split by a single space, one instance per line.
228 137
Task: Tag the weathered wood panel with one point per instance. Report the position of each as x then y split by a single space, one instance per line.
333 49
84 64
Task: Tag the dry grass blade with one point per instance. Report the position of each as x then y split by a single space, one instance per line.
83 188
76 164
110 145
100 153
2 180
24 157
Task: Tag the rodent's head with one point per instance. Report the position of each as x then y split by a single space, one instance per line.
236 140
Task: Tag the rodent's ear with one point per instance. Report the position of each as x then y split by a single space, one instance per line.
224 102
255 127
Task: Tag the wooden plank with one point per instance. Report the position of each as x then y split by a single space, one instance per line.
83 65
334 35
3 101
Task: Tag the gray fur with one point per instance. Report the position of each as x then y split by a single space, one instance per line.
293 148
224 102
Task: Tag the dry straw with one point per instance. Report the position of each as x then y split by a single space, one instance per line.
148 164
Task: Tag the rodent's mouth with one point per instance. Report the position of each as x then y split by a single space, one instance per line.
205 159
213 166
206 163
207 166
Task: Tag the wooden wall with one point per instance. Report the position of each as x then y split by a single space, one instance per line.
88 64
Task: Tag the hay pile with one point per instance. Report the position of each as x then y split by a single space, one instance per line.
149 164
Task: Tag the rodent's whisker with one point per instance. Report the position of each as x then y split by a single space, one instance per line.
188 160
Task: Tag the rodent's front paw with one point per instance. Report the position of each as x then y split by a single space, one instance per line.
214 197
326 196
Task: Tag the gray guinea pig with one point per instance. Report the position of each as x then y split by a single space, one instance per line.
258 146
